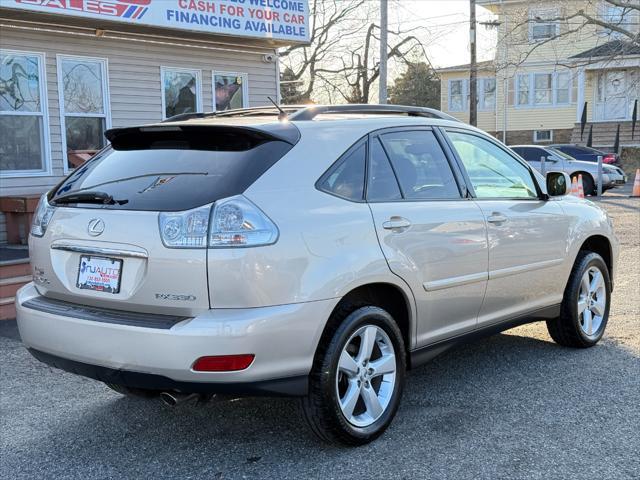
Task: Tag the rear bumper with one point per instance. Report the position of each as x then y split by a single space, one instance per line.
290 386
283 339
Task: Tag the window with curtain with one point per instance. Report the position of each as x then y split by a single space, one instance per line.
230 91
84 106
22 114
181 91
458 95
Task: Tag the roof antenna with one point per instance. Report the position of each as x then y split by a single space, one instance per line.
283 115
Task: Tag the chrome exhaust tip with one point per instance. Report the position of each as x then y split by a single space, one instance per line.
174 399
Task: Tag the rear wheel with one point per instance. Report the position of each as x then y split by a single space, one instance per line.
357 379
585 308
133 392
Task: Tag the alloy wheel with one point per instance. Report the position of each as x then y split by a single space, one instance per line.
592 301
366 375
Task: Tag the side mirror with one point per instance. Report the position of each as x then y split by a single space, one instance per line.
558 184
552 159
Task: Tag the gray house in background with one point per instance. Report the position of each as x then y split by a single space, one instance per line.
70 70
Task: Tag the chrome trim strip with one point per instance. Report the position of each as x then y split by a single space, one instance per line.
99 251
455 281
529 267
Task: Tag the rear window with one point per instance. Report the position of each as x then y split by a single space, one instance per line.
173 170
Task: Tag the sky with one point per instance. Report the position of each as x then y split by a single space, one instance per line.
447 23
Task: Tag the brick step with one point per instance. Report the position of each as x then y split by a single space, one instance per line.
15 269
9 286
7 308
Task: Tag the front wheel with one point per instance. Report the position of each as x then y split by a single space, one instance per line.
356 382
585 307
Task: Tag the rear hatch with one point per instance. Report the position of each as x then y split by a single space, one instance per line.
103 244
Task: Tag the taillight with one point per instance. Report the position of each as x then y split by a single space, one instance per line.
230 222
236 222
609 159
223 363
42 217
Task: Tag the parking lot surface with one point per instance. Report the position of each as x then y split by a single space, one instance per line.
511 406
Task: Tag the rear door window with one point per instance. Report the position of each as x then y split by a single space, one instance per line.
382 186
420 165
174 170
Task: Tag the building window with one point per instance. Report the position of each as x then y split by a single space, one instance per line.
619 16
542 136
543 89
84 106
23 114
543 25
523 89
563 88
181 91
458 95
487 93
230 90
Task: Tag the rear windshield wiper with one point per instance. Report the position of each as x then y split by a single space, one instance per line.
88 197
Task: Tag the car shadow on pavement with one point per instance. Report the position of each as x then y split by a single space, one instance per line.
495 391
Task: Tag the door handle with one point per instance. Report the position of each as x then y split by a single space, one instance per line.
496 217
396 224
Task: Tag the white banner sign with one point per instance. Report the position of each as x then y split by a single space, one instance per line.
277 19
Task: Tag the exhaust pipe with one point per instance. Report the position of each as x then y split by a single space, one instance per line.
174 399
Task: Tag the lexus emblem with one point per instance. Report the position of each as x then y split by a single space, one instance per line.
96 227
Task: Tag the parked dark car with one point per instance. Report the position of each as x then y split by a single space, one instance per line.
588 154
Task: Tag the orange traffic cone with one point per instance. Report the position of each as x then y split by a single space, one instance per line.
636 185
574 187
580 187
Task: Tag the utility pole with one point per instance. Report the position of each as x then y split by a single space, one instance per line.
473 71
382 92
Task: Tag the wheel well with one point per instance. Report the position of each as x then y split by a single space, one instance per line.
599 244
575 174
384 295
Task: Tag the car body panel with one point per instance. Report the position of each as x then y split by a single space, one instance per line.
443 258
527 257
146 280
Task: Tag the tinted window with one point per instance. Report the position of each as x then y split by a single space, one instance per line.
346 178
530 154
382 181
492 171
173 174
420 165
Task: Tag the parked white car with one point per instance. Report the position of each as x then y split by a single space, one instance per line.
556 160
320 255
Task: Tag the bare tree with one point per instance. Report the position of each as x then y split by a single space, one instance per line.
332 23
342 61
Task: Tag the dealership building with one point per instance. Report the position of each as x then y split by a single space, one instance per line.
71 69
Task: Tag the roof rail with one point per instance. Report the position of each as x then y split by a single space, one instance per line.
310 112
237 112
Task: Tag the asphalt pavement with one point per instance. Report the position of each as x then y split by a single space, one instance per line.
512 406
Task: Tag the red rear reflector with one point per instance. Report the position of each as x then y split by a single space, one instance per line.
223 363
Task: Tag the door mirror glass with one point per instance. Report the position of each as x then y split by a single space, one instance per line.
558 184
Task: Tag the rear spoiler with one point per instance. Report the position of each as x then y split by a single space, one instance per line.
200 136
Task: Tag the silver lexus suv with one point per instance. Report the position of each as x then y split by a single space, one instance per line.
318 252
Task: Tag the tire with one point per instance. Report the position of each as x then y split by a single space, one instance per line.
588 185
583 329
132 392
327 385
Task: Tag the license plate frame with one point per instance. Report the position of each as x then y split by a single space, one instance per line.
102 262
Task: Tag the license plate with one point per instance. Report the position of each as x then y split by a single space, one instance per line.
101 274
